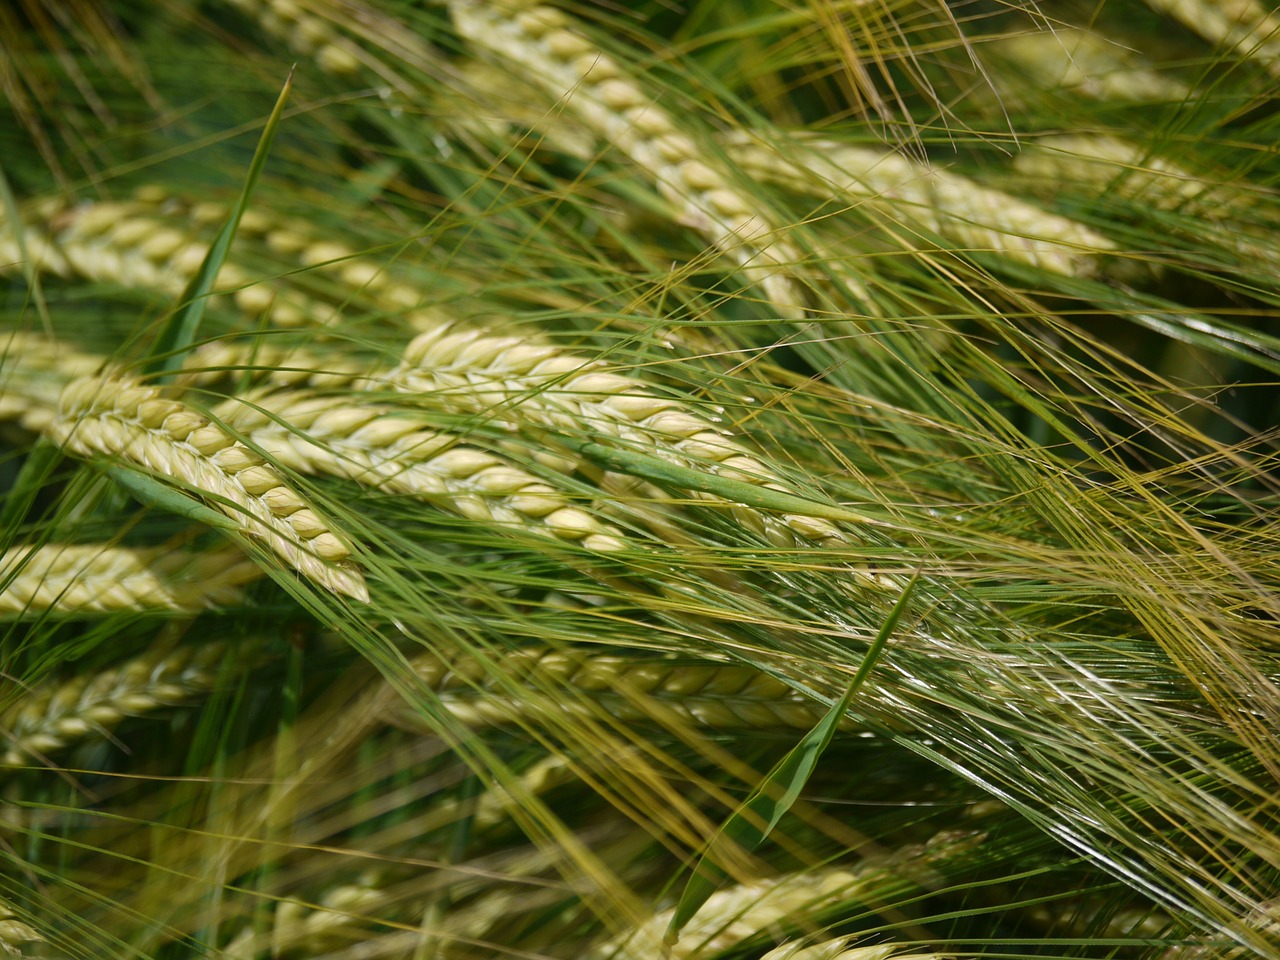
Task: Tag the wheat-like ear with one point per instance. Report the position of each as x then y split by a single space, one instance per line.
1098 916
540 45
900 189
157 241
317 928
264 363
34 371
377 445
306 33
93 578
779 905
671 693
1245 27
55 716
1086 63
116 242
842 948
127 419
513 380
1126 169
14 932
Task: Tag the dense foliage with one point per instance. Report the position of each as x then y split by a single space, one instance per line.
452 454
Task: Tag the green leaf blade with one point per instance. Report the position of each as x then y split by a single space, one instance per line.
750 825
179 332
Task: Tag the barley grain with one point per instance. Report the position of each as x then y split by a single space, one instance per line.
946 203
841 949
14 932
712 695
1085 63
518 382
136 243
376 446
54 716
539 45
313 929
25 242
1125 169
305 32
94 578
103 417
263 362
738 913
1245 27
34 369
1098 915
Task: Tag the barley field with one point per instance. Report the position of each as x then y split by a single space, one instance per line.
687 479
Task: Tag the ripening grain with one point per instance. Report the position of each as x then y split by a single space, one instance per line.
134 422
92 578
379 446
772 906
540 45
900 189
55 716
515 381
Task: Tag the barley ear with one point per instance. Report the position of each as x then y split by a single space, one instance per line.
1246 27
542 46
54 716
126 419
374 445
100 579
536 384
841 949
734 914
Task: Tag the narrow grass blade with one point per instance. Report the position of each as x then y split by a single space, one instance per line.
751 823
686 478
180 331
155 494
32 477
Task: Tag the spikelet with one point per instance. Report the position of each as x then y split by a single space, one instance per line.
1125 168
25 242
841 949
539 44
154 241
1260 926
1245 27
100 579
1098 916
55 716
119 242
14 932
376 446
306 33
515 380
314 928
33 372
265 363
977 217
713 695
735 914
123 418
1085 63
